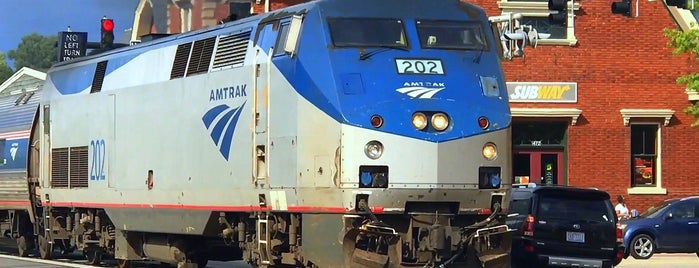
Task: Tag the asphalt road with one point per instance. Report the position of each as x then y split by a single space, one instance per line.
7 247
663 261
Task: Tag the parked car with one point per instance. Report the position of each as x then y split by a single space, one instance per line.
671 226
563 226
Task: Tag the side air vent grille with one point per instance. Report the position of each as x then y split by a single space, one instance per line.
69 167
78 167
231 50
201 56
180 63
59 167
97 80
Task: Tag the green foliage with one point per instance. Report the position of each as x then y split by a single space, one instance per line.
5 70
687 42
35 51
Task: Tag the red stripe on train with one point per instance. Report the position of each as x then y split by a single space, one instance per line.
14 203
206 207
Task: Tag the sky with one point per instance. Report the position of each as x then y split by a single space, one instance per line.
48 17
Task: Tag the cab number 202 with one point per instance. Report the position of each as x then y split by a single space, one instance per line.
419 66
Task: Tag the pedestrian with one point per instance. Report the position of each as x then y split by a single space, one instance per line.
622 211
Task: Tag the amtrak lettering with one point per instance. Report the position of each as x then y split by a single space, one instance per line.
222 119
542 92
421 90
228 92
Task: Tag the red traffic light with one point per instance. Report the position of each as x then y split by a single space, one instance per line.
107 25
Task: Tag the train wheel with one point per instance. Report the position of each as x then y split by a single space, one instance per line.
93 256
45 248
22 246
123 263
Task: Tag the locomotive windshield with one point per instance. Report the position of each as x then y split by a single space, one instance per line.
460 35
367 32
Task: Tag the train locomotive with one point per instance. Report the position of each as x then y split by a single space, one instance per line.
333 133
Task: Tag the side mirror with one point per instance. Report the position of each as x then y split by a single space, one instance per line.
668 216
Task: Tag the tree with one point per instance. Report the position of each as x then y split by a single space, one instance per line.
5 70
687 42
35 51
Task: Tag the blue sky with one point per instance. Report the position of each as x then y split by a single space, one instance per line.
48 17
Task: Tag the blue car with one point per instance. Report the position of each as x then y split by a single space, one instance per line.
671 226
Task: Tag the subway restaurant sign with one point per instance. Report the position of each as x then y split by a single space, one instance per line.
542 92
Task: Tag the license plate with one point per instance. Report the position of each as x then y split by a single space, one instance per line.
576 237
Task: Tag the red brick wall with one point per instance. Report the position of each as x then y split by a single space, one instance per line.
618 63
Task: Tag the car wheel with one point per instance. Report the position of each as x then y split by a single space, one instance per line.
642 247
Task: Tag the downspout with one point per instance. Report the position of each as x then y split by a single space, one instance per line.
267 6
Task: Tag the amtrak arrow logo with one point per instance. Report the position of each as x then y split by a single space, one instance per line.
419 92
221 122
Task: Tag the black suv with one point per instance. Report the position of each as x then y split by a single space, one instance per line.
563 226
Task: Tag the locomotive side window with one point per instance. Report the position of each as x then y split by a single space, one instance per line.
281 39
459 35
367 32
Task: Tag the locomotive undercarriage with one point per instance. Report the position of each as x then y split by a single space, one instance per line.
275 239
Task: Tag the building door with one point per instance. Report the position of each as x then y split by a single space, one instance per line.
540 167
538 152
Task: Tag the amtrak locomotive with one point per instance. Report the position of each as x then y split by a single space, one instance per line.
333 133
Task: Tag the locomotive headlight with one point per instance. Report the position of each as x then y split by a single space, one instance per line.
419 121
440 121
373 149
490 151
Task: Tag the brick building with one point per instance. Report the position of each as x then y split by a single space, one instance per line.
594 105
597 103
178 16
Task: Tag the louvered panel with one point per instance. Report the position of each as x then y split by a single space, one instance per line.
201 56
78 167
179 65
231 50
59 167
98 79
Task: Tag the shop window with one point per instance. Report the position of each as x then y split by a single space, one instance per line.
644 154
535 13
534 134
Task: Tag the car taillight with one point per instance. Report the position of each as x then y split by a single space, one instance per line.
529 248
528 229
619 234
619 256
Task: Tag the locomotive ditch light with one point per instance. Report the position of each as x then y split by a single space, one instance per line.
373 149
490 151
419 121
440 121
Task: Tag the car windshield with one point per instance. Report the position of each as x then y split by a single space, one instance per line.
367 32
574 208
459 35
654 210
